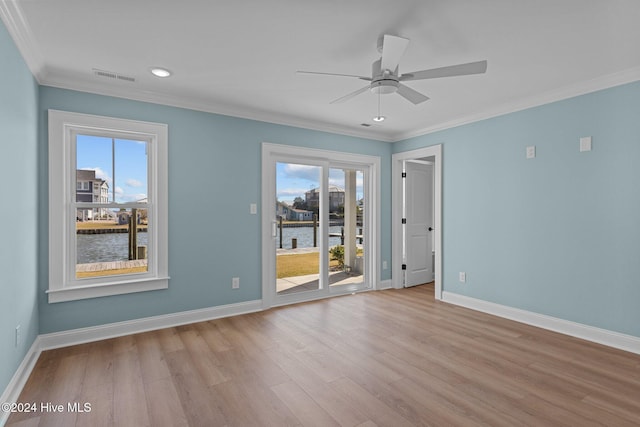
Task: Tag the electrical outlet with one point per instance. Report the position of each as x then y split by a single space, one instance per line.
384 265
235 283
462 276
18 336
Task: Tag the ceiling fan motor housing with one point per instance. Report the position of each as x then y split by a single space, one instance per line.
383 81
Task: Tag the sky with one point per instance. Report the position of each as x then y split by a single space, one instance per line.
95 153
293 180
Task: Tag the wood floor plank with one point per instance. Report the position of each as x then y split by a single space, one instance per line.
153 364
377 410
308 412
312 383
100 363
100 413
163 404
66 387
388 358
196 398
129 400
205 362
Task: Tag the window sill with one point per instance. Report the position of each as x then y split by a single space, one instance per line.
107 289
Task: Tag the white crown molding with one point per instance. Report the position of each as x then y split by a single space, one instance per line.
590 333
22 35
126 91
580 88
577 89
20 31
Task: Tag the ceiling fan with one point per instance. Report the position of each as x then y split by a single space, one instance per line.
385 77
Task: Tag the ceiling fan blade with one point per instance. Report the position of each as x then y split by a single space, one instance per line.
410 94
393 48
450 71
350 95
334 74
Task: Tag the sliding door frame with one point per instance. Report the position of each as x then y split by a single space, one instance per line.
273 153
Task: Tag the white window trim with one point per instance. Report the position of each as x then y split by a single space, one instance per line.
62 284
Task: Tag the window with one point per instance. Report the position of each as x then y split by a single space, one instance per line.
113 240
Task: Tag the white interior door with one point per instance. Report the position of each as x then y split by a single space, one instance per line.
418 198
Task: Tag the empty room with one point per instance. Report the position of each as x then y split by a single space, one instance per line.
296 213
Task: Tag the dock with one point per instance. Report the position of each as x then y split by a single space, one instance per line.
113 265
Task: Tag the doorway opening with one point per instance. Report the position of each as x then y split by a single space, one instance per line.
417 218
320 223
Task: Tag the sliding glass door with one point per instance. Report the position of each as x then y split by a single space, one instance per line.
298 217
318 224
346 228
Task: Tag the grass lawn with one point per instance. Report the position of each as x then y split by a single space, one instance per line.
132 270
299 264
96 225
287 266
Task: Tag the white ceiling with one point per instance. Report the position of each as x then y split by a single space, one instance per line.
239 57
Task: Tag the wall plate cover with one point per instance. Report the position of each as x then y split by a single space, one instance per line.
585 143
531 151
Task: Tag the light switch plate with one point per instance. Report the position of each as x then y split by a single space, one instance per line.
531 151
585 143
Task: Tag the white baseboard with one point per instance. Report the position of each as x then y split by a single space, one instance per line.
19 379
590 333
113 330
385 284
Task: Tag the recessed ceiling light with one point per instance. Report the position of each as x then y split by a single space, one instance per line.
379 119
160 72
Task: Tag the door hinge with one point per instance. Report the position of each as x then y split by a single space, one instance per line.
404 266
404 174
404 220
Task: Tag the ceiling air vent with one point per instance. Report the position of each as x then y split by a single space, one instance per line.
112 75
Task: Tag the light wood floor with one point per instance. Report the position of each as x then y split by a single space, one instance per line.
390 358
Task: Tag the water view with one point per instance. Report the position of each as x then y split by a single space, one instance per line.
305 236
106 247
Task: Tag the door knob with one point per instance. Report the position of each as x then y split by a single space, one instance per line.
430 228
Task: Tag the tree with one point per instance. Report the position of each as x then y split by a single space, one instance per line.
299 203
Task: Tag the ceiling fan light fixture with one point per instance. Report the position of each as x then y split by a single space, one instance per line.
160 72
384 86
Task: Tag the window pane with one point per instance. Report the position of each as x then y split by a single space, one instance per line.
93 168
114 170
130 171
108 246
298 239
346 231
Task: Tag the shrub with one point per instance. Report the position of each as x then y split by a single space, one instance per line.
337 254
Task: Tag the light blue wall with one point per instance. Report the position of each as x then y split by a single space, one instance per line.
18 214
558 234
214 174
